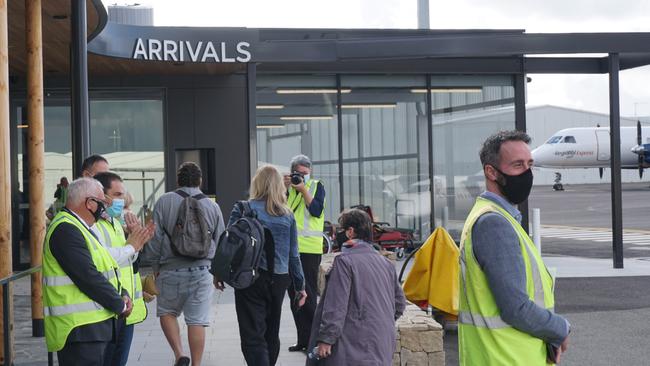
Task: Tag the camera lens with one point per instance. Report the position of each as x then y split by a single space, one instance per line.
296 179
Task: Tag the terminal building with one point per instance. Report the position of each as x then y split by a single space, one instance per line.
392 119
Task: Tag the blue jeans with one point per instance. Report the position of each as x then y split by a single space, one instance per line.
117 354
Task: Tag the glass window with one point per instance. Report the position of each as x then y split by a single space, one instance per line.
127 129
58 164
465 111
569 140
385 150
296 114
554 140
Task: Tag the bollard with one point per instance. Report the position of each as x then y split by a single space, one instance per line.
536 229
445 217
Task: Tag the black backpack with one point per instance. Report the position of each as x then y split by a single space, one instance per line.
192 235
236 261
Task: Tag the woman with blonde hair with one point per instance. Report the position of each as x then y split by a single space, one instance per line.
259 306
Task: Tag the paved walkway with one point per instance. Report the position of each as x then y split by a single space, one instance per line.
222 338
149 344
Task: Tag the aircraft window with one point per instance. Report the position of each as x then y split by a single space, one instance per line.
569 140
554 140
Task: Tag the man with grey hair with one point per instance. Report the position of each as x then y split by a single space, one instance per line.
306 198
506 298
82 295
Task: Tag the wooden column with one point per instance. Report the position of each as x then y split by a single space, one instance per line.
5 170
36 154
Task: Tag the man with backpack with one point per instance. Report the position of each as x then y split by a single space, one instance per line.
188 225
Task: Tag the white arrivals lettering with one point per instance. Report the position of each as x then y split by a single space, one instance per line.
242 49
194 54
201 51
140 50
210 52
169 50
155 46
224 57
182 47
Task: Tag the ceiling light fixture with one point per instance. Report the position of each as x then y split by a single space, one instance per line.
301 118
269 106
311 91
382 105
269 126
448 90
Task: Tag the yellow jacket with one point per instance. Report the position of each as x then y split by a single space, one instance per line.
434 275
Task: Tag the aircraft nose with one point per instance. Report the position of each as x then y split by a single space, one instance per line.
540 155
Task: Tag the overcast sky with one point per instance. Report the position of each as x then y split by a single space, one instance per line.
587 92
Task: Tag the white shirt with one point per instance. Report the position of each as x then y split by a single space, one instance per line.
124 256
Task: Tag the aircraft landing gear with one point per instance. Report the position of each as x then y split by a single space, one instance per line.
558 182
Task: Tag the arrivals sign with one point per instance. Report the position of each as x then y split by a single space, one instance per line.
191 51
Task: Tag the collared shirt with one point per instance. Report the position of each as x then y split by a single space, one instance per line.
497 249
123 255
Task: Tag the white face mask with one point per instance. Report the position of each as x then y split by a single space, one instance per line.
307 176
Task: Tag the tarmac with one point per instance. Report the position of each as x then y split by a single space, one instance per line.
608 308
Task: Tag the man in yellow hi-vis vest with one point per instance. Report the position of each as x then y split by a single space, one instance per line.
125 252
506 302
82 295
306 198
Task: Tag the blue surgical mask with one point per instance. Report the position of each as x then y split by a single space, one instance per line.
307 176
116 208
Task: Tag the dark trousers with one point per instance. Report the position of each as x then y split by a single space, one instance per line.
258 313
82 354
117 354
304 316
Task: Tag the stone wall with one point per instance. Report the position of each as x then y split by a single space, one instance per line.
419 336
419 339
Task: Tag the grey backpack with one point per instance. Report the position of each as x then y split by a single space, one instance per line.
192 233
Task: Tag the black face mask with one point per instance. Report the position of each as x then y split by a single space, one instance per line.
100 210
516 187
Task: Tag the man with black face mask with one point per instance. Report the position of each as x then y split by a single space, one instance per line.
506 299
82 294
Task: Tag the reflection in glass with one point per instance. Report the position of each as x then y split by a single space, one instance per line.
129 134
462 120
385 150
297 115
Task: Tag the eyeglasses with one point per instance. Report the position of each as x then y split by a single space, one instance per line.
97 201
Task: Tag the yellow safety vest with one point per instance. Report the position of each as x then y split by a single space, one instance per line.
113 236
483 337
310 228
65 305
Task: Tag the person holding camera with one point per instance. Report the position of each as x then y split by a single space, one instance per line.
306 199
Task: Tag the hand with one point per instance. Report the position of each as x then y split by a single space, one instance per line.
129 307
218 284
141 236
324 350
132 222
147 297
303 298
563 347
299 187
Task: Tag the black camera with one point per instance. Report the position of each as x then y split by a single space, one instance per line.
297 178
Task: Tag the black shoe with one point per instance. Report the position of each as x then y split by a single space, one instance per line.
183 361
297 348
